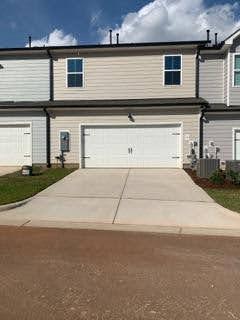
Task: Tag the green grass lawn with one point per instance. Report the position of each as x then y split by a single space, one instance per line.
228 198
15 187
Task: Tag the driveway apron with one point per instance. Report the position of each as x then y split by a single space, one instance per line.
151 197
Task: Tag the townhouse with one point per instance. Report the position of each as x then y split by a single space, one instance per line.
120 105
133 105
220 85
24 81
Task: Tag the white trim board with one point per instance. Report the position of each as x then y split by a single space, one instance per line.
233 69
233 142
83 73
181 70
228 78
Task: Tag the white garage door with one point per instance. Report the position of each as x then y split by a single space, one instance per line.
132 146
15 145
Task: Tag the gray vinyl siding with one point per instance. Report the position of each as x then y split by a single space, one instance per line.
211 78
24 79
38 121
219 129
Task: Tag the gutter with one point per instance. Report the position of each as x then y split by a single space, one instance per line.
48 137
100 46
107 104
223 110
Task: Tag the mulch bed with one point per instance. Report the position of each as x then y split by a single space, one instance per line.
206 183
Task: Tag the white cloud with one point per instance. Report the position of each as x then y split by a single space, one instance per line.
55 38
172 20
95 17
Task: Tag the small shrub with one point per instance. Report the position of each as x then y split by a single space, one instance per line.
218 177
234 177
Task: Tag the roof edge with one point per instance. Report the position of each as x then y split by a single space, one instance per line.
191 101
102 46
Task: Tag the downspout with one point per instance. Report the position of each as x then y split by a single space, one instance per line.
51 98
201 128
48 137
202 109
48 118
197 73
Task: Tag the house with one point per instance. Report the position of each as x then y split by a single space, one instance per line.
220 85
24 80
117 105
126 105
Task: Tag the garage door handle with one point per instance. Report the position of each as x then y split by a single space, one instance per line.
176 134
27 156
130 150
175 157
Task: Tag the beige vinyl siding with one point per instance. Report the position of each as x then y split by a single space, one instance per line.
125 77
211 78
24 79
71 120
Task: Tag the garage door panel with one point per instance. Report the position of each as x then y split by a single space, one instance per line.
132 146
156 146
105 147
15 145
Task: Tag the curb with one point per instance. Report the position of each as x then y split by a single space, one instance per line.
14 205
176 230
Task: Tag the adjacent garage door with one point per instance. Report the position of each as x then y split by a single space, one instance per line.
15 145
132 146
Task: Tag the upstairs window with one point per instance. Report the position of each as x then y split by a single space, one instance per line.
74 73
172 70
236 71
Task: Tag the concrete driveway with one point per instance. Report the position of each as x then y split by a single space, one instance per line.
152 197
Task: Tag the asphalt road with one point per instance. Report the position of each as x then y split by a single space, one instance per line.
78 274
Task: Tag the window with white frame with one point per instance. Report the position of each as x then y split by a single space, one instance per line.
74 73
236 70
172 70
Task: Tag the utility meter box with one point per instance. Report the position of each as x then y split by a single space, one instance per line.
65 141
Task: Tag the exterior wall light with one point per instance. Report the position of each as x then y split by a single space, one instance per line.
130 117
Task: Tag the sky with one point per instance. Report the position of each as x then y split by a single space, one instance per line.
71 22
